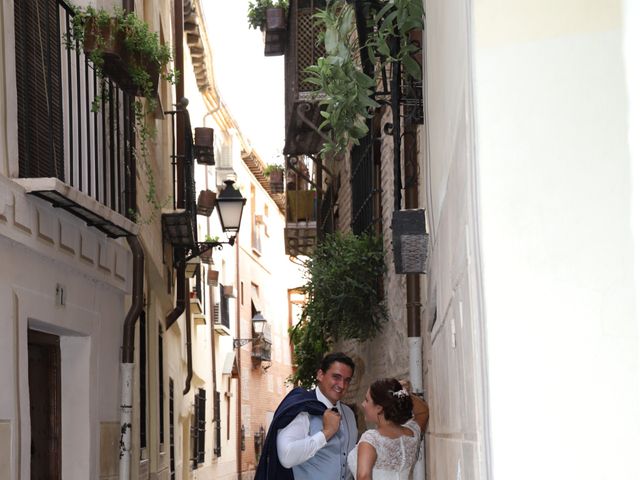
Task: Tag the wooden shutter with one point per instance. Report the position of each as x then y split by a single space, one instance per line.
38 78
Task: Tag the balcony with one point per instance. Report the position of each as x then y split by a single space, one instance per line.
76 146
300 208
302 111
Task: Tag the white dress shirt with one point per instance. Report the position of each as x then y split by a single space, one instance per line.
295 445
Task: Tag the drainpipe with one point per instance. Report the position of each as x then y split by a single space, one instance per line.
413 281
187 382
126 363
239 358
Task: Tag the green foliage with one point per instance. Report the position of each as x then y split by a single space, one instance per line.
342 299
344 90
257 12
272 167
397 18
310 343
140 43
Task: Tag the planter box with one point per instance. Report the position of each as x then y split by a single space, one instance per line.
301 205
206 257
203 146
275 32
274 42
276 182
118 62
276 20
410 241
212 278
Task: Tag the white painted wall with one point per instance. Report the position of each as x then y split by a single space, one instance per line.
457 433
89 326
555 193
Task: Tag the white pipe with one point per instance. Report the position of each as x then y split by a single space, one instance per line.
126 375
415 376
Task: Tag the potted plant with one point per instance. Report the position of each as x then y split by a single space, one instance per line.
206 202
206 257
270 16
345 91
212 278
122 47
275 173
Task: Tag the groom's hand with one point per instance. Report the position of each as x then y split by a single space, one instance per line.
330 423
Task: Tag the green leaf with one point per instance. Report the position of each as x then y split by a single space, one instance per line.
412 67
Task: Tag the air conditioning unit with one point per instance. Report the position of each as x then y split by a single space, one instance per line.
228 150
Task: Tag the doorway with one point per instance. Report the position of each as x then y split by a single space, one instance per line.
44 405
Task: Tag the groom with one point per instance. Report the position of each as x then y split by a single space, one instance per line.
312 432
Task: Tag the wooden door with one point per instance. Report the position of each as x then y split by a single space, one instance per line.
44 400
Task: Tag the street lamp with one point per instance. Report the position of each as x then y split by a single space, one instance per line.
258 322
230 204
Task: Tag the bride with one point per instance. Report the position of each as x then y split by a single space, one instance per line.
389 451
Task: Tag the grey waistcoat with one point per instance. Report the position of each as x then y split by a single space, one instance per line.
330 462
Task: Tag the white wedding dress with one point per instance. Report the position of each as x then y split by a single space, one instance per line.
396 456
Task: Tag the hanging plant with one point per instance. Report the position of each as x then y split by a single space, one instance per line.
343 89
257 12
397 19
342 299
122 47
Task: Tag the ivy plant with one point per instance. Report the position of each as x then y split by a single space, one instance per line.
342 299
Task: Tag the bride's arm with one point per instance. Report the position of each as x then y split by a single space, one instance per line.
366 460
420 412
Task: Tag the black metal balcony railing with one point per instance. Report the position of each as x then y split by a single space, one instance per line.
71 125
180 225
100 143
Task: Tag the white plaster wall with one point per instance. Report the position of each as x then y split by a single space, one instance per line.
631 20
555 198
457 433
88 325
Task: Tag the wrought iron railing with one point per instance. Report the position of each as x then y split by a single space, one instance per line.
71 125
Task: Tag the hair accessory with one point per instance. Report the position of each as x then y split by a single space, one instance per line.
400 393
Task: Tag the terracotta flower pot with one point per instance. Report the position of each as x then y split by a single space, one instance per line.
276 181
118 60
206 202
203 145
205 257
212 278
276 19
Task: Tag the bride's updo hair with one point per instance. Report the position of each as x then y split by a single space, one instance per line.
395 401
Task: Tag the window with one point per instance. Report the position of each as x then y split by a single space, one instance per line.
365 181
224 306
58 133
198 429
161 389
172 444
217 450
142 387
39 85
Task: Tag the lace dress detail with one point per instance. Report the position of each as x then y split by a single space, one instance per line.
395 457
